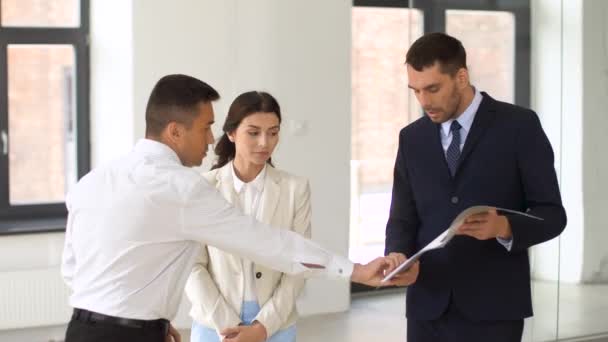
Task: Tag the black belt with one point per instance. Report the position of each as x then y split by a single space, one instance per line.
87 316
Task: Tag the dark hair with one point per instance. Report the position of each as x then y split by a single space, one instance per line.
437 47
244 105
175 99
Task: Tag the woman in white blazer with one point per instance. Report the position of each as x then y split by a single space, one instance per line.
225 290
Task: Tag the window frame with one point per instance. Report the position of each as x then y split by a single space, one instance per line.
45 216
434 12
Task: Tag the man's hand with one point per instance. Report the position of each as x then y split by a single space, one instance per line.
370 274
173 335
486 226
245 333
405 278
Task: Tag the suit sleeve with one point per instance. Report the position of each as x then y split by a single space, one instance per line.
403 221
539 180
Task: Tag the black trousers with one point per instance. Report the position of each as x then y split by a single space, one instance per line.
79 331
453 326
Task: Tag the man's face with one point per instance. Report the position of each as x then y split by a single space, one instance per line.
194 140
439 94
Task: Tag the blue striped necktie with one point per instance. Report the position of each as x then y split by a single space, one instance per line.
453 153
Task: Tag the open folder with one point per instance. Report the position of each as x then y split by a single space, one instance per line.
445 237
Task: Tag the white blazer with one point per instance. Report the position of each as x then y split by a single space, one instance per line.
216 286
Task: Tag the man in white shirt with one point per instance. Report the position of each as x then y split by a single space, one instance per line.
135 226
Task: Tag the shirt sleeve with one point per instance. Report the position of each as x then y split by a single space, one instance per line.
507 243
207 217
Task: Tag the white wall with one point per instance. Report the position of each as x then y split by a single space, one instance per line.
595 139
290 48
112 79
572 246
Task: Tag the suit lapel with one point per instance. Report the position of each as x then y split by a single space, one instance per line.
483 118
270 196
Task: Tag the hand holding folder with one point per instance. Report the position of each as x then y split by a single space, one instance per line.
445 237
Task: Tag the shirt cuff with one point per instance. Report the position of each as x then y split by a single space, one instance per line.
340 267
507 243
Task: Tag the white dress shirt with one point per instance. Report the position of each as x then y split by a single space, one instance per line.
134 230
466 121
249 195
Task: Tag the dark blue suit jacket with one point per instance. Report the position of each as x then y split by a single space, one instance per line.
507 161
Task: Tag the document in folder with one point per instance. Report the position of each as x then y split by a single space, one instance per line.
445 237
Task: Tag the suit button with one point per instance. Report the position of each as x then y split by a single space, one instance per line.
258 275
454 199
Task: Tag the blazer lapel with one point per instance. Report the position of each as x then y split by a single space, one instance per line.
270 196
225 184
483 118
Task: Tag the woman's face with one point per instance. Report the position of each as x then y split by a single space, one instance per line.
256 137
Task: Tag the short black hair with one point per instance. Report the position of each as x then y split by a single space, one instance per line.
175 98
437 47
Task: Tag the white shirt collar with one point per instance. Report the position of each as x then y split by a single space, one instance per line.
148 146
257 183
467 117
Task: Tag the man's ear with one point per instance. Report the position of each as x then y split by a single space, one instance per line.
463 77
173 131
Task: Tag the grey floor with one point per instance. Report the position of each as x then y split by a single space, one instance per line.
371 318
583 311
379 317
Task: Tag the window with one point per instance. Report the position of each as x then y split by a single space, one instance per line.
44 110
381 106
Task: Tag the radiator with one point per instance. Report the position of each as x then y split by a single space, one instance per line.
33 298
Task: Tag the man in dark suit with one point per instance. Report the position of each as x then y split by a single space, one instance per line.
468 149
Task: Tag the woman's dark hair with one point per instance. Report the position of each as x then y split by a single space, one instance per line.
244 105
